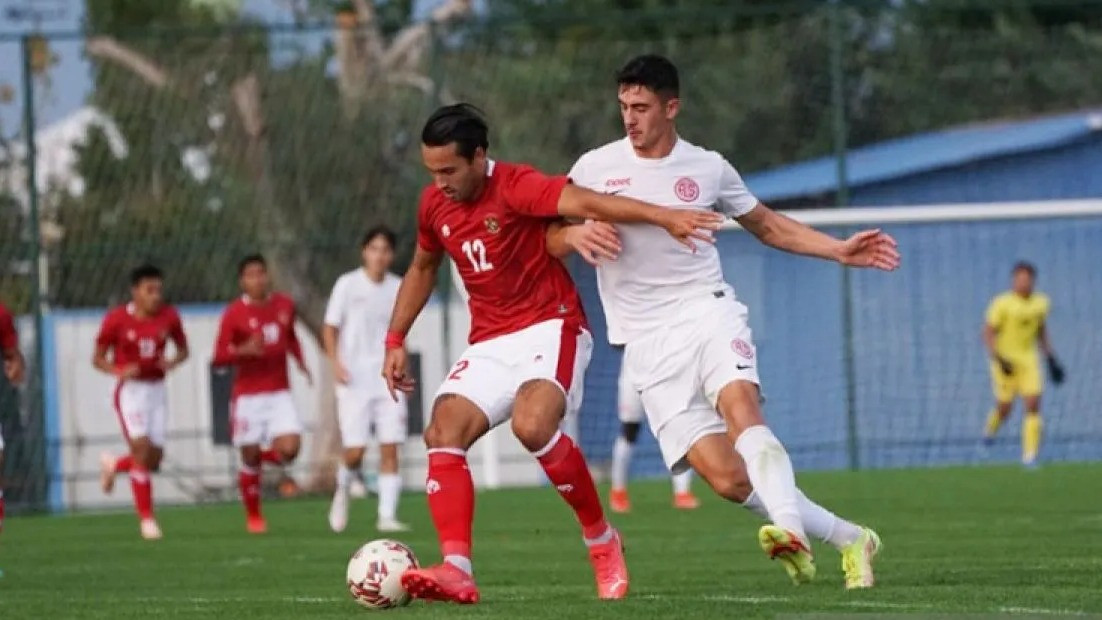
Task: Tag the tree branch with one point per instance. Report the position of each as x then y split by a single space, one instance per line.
109 48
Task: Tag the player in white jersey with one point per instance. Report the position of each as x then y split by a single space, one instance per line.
688 347
355 326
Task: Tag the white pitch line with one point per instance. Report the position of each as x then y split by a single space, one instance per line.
1041 610
886 605
730 598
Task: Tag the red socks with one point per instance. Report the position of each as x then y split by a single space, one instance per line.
450 492
123 464
566 468
248 481
271 457
142 488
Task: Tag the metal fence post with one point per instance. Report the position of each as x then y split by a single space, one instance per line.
841 199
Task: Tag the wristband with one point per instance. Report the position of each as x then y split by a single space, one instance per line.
395 340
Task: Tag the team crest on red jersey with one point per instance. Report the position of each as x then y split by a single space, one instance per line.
686 189
492 226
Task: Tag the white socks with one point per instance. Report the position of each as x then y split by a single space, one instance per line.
345 475
771 474
682 482
461 562
818 521
621 462
390 487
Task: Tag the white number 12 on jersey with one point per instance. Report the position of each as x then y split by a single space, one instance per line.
479 262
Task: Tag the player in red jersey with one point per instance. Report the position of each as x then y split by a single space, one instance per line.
256 335
530 343
14 367
131 347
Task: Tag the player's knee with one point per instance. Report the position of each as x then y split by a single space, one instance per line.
441 435
731 485
533 431
250 456
354 457
630 431
154 461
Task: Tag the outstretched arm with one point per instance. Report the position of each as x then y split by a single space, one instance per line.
682 224
868 248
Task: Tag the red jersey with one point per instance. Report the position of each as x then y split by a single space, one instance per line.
141 341
499 245
273 322
9 340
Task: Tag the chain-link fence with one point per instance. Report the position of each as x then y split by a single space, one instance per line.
195 143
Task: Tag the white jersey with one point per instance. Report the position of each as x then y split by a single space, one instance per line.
360 309
655 275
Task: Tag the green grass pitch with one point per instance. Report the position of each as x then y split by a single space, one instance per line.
991 540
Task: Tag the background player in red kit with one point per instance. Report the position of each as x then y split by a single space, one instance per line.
131 347
14 367
530 343
256 334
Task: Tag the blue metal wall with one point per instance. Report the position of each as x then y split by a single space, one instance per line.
921 379
1070 171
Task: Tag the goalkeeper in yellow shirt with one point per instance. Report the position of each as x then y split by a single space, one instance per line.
1014 328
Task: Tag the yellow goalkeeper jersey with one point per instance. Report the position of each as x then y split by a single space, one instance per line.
1017 321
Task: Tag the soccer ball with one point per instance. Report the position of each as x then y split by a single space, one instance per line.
375 574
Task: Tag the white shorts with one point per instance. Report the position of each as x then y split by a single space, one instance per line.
363 412
680 369
142 409
490 372
629 402
257 419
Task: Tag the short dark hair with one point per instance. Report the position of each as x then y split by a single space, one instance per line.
462 124
145 271
379 231
1025 266
251 259
653 72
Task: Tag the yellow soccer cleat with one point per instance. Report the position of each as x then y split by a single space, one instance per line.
780 544
857 560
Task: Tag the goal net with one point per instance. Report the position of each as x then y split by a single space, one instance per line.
888 369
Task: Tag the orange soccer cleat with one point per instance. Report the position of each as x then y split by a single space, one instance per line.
685 501
618 501
610 568
256 525
443 582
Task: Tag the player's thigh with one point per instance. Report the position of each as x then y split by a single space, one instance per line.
483 377
727 352
284 426
353 416
131 403
157 405
714 458
456 423
248 420
739 403
679 432
1004 387
553 357
1030 380
390 419
629 405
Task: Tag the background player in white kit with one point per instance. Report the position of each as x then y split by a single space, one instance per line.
688 347
356 320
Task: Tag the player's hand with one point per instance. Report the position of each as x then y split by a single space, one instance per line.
127 372
14 370
687 225
168 365
342 375
594 241
395 372
1005 365
253 347
870 248
1055 370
